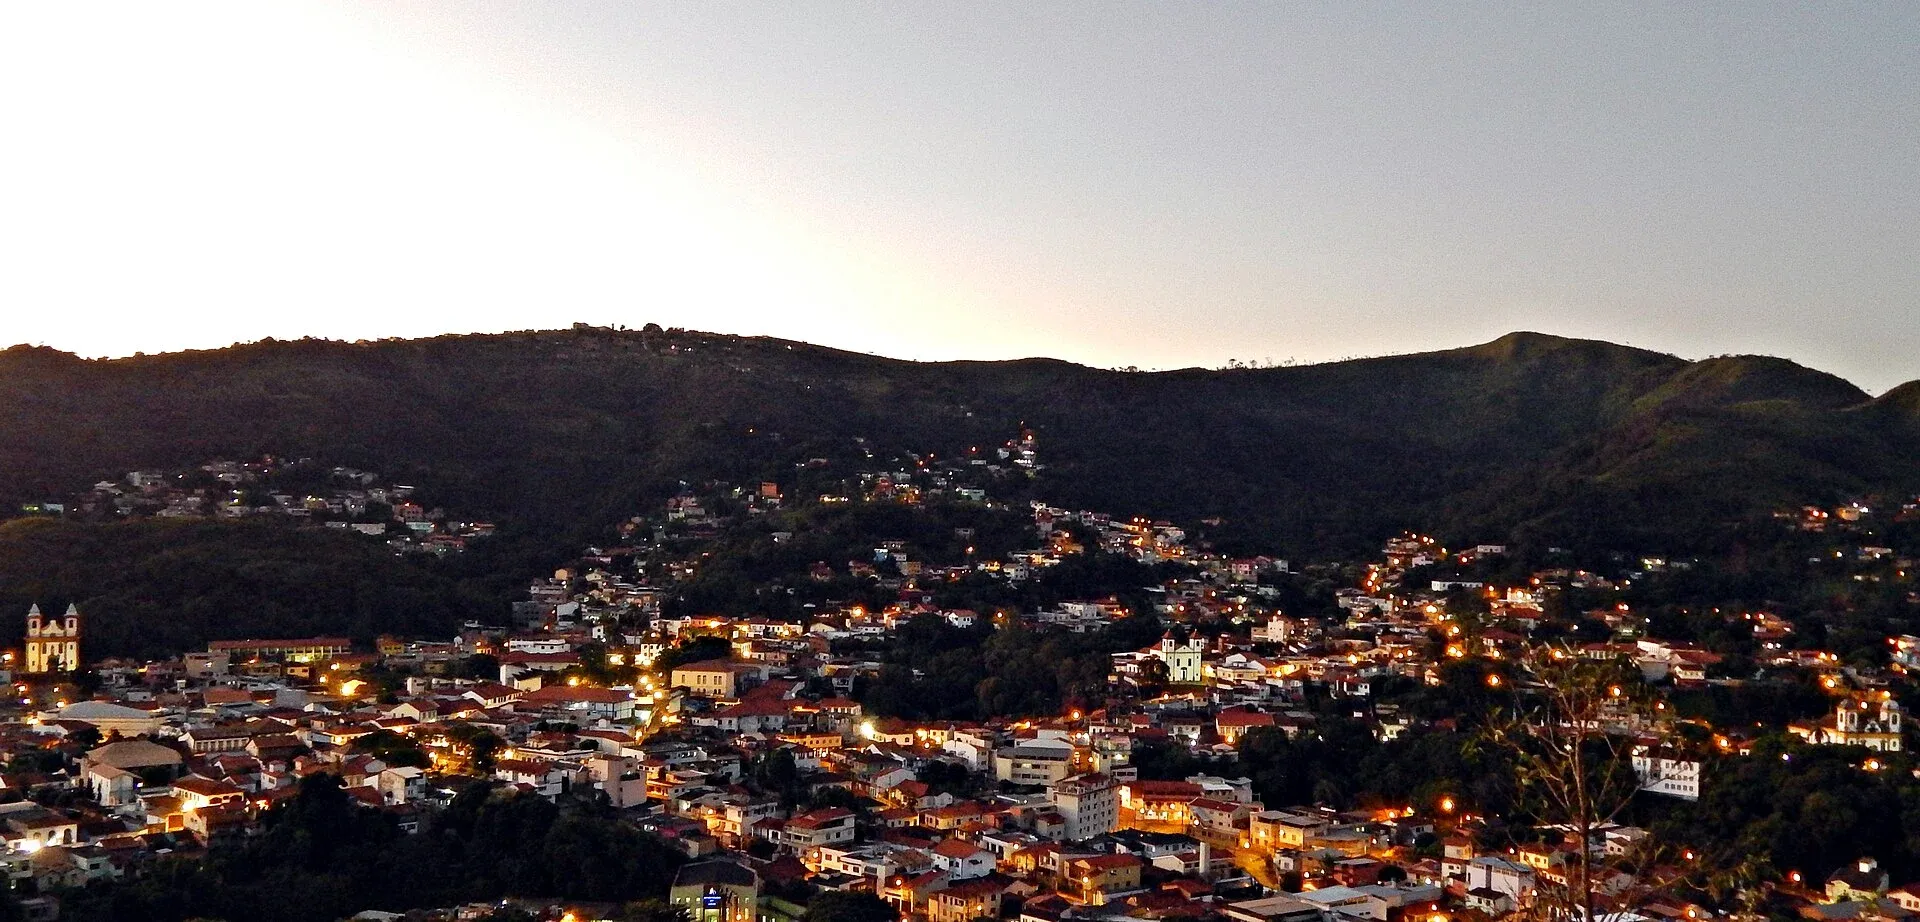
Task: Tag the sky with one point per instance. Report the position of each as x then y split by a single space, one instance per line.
1151 184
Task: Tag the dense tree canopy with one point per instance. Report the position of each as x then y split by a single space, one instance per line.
321 857
848 906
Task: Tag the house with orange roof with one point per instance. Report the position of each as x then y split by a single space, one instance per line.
196 792
717 678
492 694
967 900
961 815
911 893
1234 723
831 826
580 702
543 778
962 860
1098 879
753 714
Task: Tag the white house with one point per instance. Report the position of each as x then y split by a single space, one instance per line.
1491 872
961 859
1663 771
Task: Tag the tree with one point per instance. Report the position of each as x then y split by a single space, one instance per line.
481 744
1569 733
480 666
654 911
778 773
848 906
391 748
692 651
943 777
85 738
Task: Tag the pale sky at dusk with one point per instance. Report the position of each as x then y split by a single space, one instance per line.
1151 184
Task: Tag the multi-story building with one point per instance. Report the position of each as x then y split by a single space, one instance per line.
966 901
1665 771
831 826
1099 878
1037 762
1090 803
717 678
1508 878
1271 830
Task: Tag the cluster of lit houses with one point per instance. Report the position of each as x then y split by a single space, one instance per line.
1046 814
338 497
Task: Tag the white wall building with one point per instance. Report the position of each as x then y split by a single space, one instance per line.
1090 803
1665 772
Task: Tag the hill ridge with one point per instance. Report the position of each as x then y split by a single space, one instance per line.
1575 438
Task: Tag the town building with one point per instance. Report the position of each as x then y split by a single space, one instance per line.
1089 802
1857 721
53 645
716 891
297 650
1665 771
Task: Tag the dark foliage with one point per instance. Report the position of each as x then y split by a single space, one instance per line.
1569 440
935 670
156 587
321 857
848 906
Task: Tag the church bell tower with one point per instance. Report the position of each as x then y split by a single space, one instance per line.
53 644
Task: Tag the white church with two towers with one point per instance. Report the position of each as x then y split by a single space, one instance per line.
53 644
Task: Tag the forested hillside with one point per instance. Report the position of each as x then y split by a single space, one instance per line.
558 435
570 427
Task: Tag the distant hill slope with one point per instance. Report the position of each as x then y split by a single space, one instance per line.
1566 440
